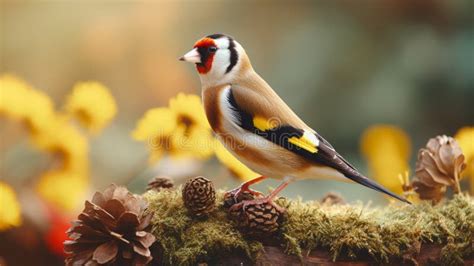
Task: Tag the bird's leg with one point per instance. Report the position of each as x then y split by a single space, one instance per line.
267 199
245 187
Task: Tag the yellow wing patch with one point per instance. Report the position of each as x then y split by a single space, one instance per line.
304 143
262 123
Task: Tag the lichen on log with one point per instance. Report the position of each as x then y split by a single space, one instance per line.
342 233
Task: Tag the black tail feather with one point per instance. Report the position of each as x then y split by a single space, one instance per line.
375 186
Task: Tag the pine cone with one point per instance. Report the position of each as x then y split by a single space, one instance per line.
259 220
425 192
111 230
199 196
332 199
159 182
439 165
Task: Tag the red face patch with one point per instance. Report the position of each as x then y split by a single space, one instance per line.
207 56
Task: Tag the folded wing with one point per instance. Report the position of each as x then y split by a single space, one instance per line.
304 142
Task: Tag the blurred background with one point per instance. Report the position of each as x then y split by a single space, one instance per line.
403 69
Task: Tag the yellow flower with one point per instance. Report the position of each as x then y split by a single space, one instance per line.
156 122
63 139
193 134
387 149
189 111
181 130
197 144
52 132
21 102
235 167
10 214
65 189
380 137
13 96
156 128
91 104
49 131
465 139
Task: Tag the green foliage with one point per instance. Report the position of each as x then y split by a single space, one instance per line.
352 231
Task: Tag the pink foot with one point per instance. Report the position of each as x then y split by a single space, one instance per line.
236 192
266 200
243 192
239 194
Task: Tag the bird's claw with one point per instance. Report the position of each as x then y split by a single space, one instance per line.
240 194
236 192
265 200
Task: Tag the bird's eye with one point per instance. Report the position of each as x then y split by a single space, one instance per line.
212 49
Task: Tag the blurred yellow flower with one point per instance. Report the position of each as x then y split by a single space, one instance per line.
92 105
10 214
198 144
387 149
156 122
21 102
465 139
193 133
181 130
235 167
189 111
51 132
65 189
380 137
63 139
156 128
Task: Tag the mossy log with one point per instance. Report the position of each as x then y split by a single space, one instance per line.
318 234
429 255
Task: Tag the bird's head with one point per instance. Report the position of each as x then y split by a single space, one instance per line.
219 59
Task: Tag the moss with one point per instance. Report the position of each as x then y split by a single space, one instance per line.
351 231
186 240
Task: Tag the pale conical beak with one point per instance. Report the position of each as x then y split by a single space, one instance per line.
192 56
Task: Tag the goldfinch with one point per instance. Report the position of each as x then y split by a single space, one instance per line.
257 126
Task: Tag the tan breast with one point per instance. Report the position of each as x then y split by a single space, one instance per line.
210 98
